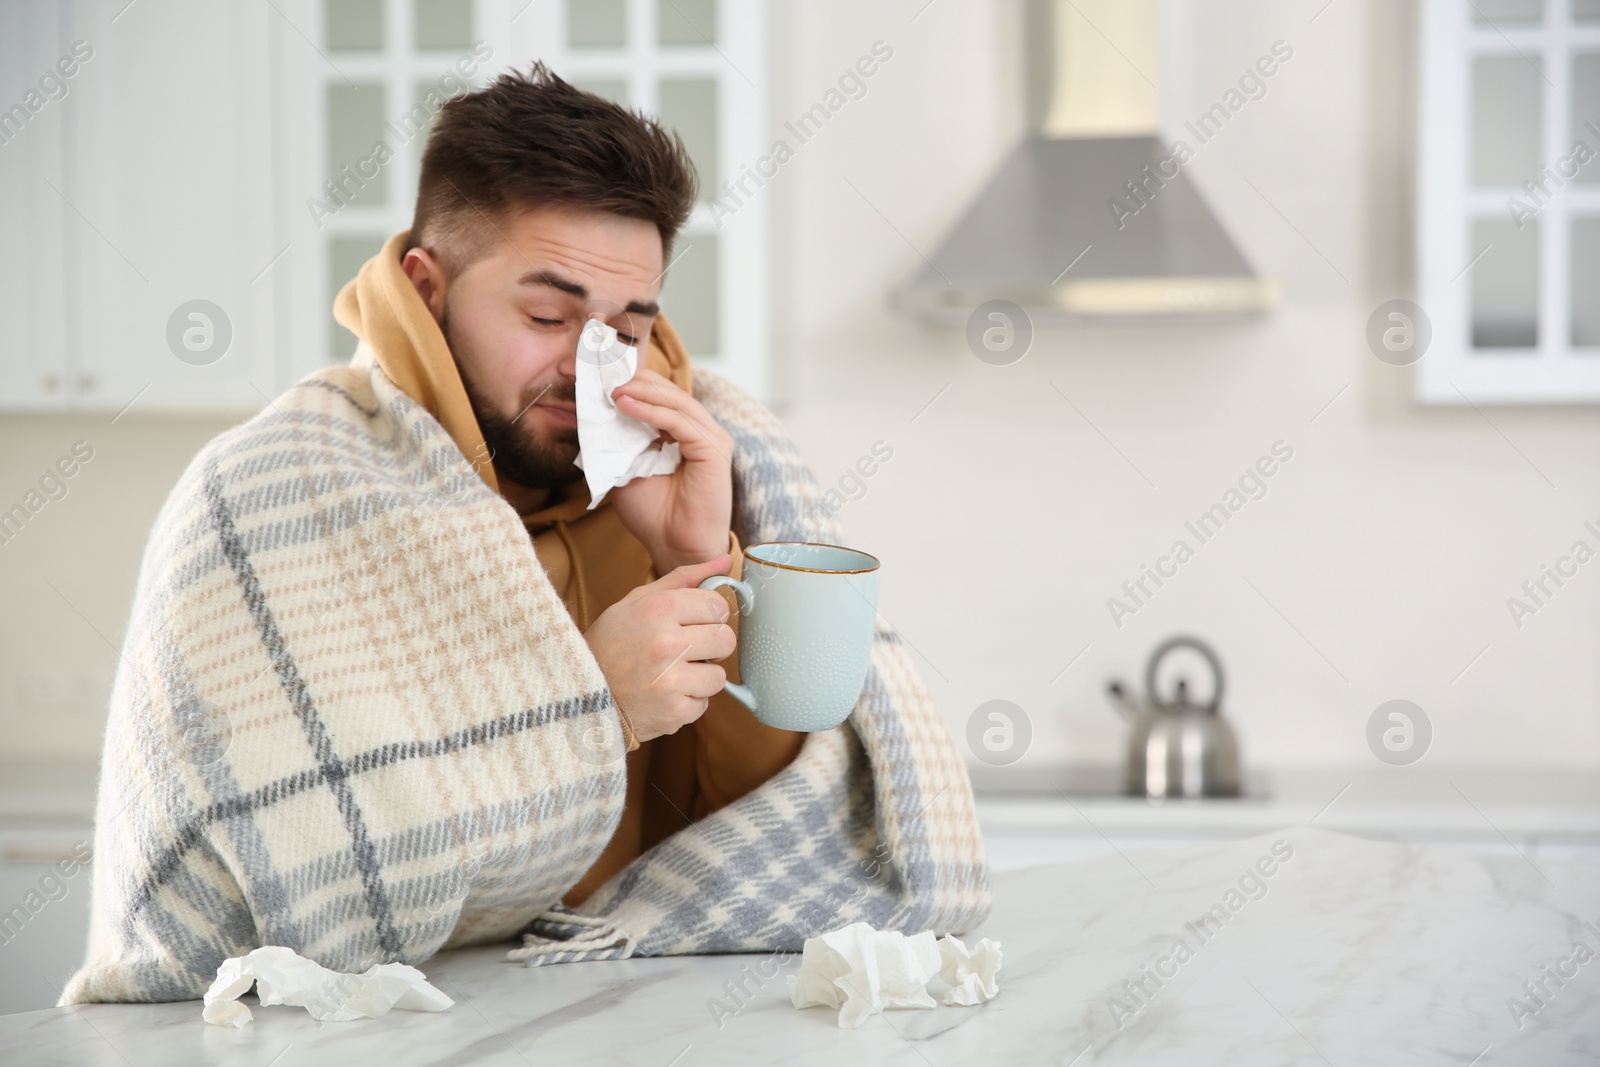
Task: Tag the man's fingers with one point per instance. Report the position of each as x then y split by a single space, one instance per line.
691 575
689 644
679 424
708 641
648 392
689 647
646 376
702 679
695 607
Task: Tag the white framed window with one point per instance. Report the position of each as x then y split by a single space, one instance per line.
700 67
1508 201
361 74
368 63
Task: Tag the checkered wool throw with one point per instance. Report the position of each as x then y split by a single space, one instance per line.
353 717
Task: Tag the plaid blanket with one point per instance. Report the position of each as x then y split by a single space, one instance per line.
353 717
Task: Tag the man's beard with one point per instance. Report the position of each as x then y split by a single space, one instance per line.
514 447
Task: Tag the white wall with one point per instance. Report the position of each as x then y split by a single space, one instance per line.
1390 541
67 578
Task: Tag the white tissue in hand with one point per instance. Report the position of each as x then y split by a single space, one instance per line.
862 971
283 976
613 448
970 971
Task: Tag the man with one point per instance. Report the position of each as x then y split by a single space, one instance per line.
510 290
391 684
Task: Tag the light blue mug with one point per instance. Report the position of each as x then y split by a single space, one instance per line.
807 614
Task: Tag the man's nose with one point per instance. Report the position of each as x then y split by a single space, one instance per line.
568 367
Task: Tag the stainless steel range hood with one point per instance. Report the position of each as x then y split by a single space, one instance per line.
1090 218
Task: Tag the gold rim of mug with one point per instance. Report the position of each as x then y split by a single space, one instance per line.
748 549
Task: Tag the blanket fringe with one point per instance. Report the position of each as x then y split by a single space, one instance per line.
560 935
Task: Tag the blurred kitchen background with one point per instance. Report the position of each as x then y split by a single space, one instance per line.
1377 264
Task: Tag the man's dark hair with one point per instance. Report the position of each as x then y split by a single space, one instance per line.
531 140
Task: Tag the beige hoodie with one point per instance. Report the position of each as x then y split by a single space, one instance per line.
591 560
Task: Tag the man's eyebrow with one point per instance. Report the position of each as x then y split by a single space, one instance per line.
572 288
555 281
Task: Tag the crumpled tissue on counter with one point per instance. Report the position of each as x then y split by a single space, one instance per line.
970 971
283 976
862 971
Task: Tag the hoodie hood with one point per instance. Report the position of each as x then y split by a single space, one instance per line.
381 307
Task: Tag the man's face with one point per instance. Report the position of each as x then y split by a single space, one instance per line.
512 320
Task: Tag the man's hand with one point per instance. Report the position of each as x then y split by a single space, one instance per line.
682 517
650 645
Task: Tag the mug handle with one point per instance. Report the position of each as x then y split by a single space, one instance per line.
747 603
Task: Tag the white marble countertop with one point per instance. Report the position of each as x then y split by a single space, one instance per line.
1351 952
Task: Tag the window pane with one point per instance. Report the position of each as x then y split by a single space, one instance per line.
686 22
613 89
689 293
1586 283
444 24
345 257
1505 120
1586 111
354 25
689 105
1500 12
597 23
1586 10
428 97
1505 285
355 122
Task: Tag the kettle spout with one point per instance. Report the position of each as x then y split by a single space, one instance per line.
1121 701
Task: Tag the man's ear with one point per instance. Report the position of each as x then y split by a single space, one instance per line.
429 278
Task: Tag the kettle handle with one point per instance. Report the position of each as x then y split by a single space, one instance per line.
1185 642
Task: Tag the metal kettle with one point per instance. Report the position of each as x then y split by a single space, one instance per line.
1178 748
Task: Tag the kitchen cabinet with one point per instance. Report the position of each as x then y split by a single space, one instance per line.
147 185
44 910
33 366
46 818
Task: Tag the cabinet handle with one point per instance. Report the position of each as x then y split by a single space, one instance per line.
50 382
86 382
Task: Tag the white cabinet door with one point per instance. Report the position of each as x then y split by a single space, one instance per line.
44 911
32 346
162 195
172 165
